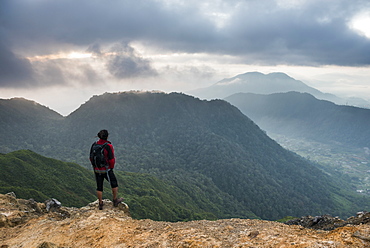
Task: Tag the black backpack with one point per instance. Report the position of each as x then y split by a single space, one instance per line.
97 157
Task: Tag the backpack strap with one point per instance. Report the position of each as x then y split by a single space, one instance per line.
109 150
105 146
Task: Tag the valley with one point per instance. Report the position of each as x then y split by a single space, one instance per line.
352 163
334 137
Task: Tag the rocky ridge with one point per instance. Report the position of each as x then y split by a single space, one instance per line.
26 223
328 222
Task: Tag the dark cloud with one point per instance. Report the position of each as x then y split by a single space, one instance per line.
126 63
84 22
94 49
269 32
312 34
14 71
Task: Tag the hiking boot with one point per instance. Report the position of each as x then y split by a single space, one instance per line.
101 206
117 201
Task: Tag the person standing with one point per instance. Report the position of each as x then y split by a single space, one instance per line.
104 169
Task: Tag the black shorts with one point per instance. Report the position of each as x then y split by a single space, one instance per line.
109 176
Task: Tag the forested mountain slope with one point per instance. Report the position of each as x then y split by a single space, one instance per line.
302 115
31 175
26 125
208 149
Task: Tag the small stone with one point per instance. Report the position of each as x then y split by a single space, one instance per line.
12 194
253 234
52 204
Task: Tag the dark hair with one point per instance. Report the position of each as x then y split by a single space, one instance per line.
103 134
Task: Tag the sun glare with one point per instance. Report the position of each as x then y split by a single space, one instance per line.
361 23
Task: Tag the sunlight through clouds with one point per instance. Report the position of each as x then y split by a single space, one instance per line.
361 23
78 55
179 45
72 55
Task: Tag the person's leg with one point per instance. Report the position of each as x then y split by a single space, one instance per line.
99 188
115 193
114 184
116 200
100 196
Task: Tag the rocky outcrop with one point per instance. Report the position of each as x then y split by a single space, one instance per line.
113 227
327 222
15 211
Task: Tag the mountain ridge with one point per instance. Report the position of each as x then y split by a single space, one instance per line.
301 114
201 147
259 83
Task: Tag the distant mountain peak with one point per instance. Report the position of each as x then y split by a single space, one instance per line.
280 75
240 77
259 83
250 76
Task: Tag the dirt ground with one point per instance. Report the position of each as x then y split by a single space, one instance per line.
26 223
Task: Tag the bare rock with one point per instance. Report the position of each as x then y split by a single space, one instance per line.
112 227
327 222
108 205
11 194
52 205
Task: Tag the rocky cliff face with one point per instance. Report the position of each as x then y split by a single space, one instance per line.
25 223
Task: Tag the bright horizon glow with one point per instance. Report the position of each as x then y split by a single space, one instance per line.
71 55
77 55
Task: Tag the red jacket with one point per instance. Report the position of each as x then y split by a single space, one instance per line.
109 154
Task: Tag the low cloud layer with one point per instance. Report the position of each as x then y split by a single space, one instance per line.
271 32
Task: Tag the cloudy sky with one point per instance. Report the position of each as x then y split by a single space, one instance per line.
60 53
